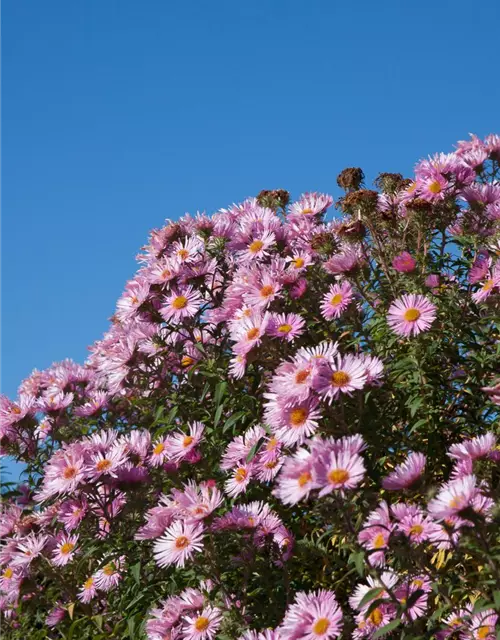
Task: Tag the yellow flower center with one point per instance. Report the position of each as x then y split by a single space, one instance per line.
187 361
484 631
66 548
307 211
88 583
338 476
180 302
304 478
266 291
378 541
298 263
456 622
336 300
411 315
271 464
488 285
435 187
109 569
181 542
240 474
375 617
455 502
416 530
321 626
256 246
16 410
252 333
285 328
418 583
340 378
187 441
298 417
103 465
201 623
8 573
271 444
70 472
160 448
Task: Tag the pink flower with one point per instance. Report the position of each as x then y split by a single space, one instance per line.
417 527
28 549
286 326
239 480
249 332
478 447
181 445
411 314
458 495
87 590
296 478
55 616
293 422
203 625
106 463
342 470
197 502
65 550
404 262
311 616
160 452
491 283
257 247
310 204
110 575
336 301
180 304
346 375
178 544
483 625
405 474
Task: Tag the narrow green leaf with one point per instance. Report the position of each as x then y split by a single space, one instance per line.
218 414
254 449
394 624
370 595
135 570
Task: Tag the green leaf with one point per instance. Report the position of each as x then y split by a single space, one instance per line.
220 392
172 413
370 595
135 570
218 414
496 598
394 624
232 420
254 449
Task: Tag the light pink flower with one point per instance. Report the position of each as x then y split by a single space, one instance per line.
406 473
65 550
411 314
336 300
178 544
180 304
346 375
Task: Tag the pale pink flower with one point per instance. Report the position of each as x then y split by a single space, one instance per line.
204 625
342 470
180 304
181 444
87 590
336 300
347 374
406 473
65 550
178 544
411 314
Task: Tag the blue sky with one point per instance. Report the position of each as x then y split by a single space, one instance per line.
121 113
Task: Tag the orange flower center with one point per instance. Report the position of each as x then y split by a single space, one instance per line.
416 530
285 328
67 547
271 444
186 361
256 246
375 617
298 263
304 478
103 465
411 315
418 583
70 472
201 623
456 502
298 417
338 476
181 542
183 254
484 631
240 474
271 464
488 285
88 583
378 541
160 447
109 569
435 187
336 300
302 376
307 211
267 290
340 378
252 333
16 410
187 441
180 302
321 626
8 573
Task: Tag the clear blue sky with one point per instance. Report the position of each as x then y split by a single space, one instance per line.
120 113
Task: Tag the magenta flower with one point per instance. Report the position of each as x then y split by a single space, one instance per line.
87 590
404 262
181 445
336 301
411 314
406 473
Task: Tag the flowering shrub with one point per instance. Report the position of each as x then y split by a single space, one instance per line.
288 432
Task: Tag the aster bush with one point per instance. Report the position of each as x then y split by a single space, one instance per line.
288 432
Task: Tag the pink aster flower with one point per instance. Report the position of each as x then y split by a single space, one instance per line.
87 590
178 544
263 293
457 495
286 326
296 479
336 301
65 550
489 285
312 616
411 314
28 549
293 422
483 625
181 445
310 204
375 534
106 463
344 376
109 576
374 368
237 366
239 480
341 470
180 304
417 527
433 188
344 262
55 616
478 447
160 452
406 473
203 625
248 332
197 502
258 247
404 262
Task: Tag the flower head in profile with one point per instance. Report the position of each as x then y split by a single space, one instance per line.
411 314
406 473
181 444
109 576
87 590
178 544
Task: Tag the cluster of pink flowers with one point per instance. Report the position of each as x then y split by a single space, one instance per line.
308 326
